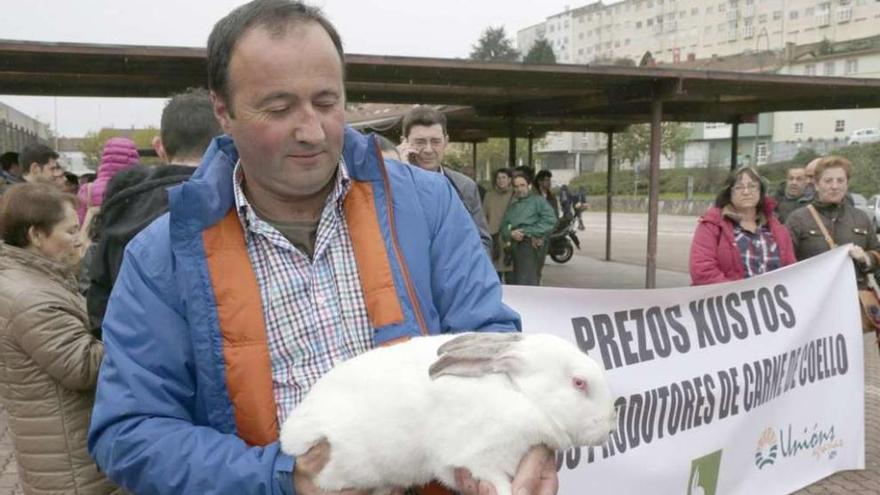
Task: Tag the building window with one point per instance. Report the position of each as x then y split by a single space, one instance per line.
852 66
639 25
695 11
810 70
839 125
829 68
762 18
777 15
792 15
798 127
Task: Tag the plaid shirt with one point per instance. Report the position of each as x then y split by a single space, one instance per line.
758 250
314 309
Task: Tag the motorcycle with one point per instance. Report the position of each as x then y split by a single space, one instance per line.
563 240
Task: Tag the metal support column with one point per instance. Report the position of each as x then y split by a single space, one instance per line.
609 194
474 157
511 142
531 144
734 143
653 194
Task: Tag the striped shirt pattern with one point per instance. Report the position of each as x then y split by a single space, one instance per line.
314 310
758 250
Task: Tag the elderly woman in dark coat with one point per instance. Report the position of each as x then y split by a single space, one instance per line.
844 223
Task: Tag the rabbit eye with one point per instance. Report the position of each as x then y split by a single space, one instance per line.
579 383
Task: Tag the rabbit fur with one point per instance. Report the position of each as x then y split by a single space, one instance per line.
401 416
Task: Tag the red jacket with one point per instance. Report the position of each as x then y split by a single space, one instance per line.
715 257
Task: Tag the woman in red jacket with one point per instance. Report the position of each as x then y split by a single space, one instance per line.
739 237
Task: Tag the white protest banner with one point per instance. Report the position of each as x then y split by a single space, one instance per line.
746 387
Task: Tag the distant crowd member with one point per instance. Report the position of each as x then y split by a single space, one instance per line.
423 144
137 196
739 237
87 177
495 204
791 195
10 169
580 204
810 176
48 359
40 164
544 189
566 202
843 222
118 154
527 221
71 183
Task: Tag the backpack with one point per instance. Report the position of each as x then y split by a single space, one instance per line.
134 199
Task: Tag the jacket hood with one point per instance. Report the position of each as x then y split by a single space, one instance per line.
119 154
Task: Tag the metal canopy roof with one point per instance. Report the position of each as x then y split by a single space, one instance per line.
491 99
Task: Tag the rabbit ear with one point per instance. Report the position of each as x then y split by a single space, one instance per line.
476 355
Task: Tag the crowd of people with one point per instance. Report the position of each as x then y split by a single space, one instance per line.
158 323
748 232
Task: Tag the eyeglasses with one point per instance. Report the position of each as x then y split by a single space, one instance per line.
740 188
423 143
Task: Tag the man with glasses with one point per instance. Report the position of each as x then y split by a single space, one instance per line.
423 144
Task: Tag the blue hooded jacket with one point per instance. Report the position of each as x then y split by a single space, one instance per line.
163 421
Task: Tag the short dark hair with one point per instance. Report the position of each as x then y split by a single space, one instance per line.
424 116
36 153
518 174
8 159
527 171
188 124
71 178
88 177
500 171
723 198
274 15
31 205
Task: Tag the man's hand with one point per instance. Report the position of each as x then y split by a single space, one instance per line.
309 465
537 242
407 153
517 235
536 475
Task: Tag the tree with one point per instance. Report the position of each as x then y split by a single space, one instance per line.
93 143
494 46
620 61
540 53
635 143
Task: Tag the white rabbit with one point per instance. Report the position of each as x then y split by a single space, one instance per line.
391 422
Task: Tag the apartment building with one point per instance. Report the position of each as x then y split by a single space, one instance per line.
675 30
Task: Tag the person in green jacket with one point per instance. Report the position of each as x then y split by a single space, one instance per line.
528 219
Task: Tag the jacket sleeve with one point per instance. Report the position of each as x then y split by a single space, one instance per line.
704 265
475 208
148 431
546 220
58 341
464 285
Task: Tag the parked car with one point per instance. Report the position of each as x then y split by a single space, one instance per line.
874 211
863 136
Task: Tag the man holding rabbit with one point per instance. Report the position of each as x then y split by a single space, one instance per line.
292 248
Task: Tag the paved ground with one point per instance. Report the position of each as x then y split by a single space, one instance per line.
586 270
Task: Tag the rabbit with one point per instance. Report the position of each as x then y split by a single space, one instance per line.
399 416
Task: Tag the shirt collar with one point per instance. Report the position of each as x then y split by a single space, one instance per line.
248 217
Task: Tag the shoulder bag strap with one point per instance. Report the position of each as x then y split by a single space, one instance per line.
821 226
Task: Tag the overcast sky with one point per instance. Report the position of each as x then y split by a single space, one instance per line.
439 28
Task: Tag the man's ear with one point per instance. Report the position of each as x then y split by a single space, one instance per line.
160 149
35 168
221 112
